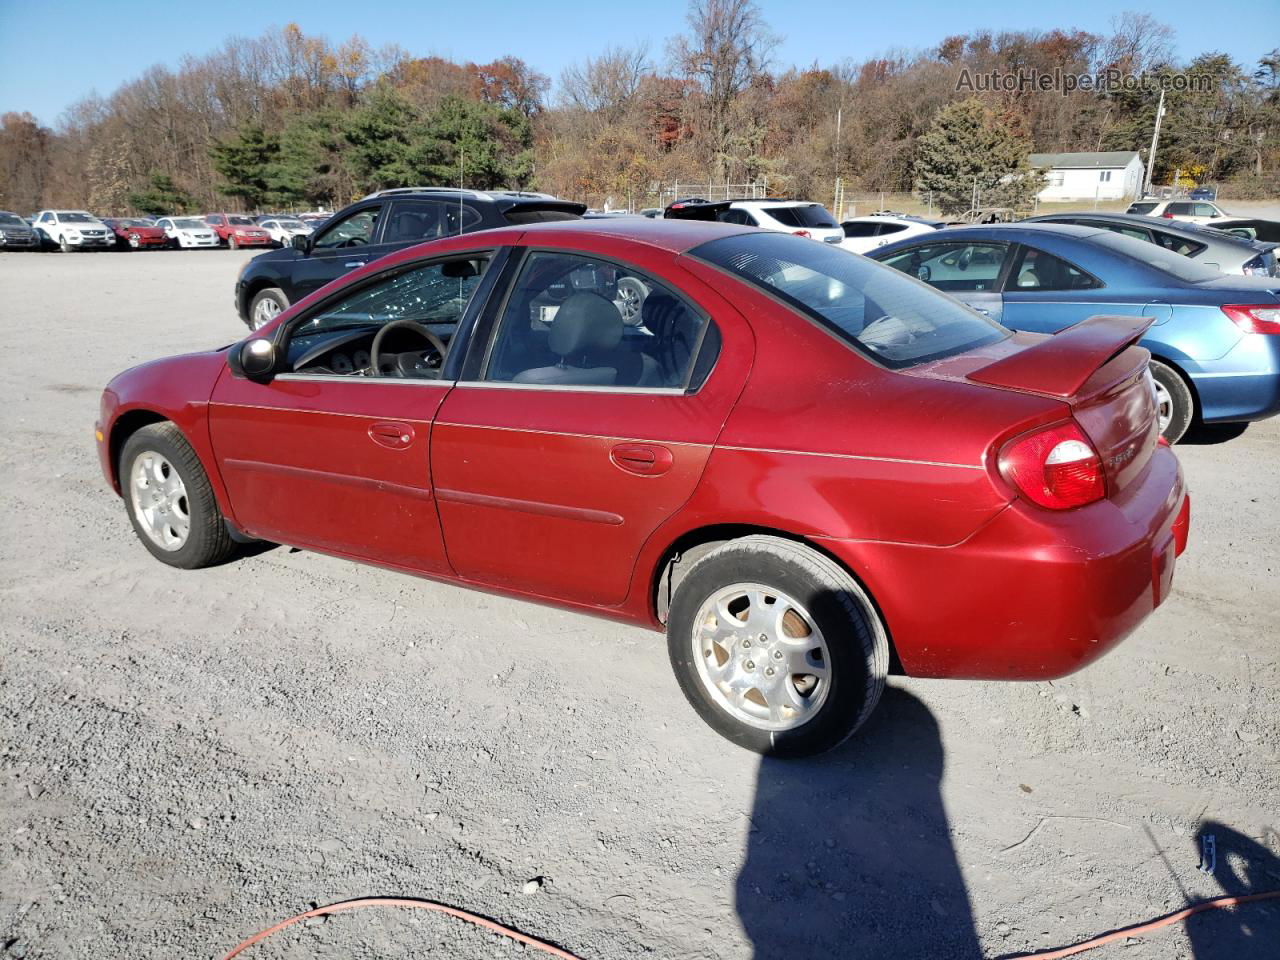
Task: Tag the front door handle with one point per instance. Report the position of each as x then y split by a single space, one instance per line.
351 264
642 459
396 436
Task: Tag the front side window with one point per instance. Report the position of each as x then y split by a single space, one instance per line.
413 221
1206 210
1179 209
889 317
574 321
740 217
213 221
355 230
1037 270
953 267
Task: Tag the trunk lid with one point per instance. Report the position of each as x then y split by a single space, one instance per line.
1096 368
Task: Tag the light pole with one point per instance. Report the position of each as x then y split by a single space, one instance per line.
1155 142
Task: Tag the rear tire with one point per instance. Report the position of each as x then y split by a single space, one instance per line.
169 500
1175 403
796 610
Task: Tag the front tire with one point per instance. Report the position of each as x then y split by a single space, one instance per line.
232 243
63 246
169 500
776 646
1175 404
265 306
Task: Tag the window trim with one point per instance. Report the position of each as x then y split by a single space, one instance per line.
493 325
1020 253
495 256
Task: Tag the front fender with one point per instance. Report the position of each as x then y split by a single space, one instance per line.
176 389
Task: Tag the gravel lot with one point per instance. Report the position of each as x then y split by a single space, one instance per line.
187 757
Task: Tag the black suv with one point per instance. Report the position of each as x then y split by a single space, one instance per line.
375 226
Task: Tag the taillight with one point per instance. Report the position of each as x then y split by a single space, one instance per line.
1256 318
1055 467
803 233
1167 215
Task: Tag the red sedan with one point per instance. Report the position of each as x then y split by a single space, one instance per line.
137 234
808 469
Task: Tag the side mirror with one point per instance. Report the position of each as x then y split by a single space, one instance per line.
253 359
301 241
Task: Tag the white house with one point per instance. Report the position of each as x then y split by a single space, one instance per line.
1117 175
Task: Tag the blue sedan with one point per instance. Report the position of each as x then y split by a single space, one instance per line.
1215 343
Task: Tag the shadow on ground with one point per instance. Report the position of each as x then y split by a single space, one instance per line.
1244 866
850 854
1209 434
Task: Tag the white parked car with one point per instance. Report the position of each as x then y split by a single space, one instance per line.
75 230
284 229
862 234
786 216
187 232
1193 211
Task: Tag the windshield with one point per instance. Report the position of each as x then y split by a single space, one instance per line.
134 223
241 221
76 218
802 215
9 220
1166 261
890 317
291 224
189 224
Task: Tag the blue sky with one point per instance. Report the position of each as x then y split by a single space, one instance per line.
57 52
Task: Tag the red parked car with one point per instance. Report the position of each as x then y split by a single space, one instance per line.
236 230
137 234
808 469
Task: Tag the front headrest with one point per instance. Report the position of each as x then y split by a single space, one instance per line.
586 321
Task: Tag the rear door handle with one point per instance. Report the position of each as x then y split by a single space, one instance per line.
350 264
396 436
642 459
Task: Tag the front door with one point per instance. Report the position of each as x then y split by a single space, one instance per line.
588 425
342 246
326 454
970 272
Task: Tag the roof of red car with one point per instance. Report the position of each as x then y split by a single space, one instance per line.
676 236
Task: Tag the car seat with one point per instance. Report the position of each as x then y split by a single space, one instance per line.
585 335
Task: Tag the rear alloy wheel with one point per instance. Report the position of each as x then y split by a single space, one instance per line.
169 500
1175 405
777 648
266 306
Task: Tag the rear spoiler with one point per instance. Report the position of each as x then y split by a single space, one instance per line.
1061 364
560 206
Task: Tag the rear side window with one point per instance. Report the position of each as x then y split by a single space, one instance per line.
1179 245
1037 270
1180 209
1141 208
574 321
953 267
1153 255
855 229
879 312
413 221
802 215
740 217
519 215
888 228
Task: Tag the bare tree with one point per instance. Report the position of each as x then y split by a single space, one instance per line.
606 84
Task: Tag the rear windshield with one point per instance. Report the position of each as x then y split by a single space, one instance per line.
1154 255
1141 208
802 215
893 318
539 216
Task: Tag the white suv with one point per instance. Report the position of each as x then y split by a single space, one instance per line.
786 216
1193 211
75 230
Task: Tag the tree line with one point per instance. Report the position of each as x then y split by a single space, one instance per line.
288 120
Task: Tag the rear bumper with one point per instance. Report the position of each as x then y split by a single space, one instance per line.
1034 594
1243 385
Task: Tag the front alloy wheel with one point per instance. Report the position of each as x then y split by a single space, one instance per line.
160 501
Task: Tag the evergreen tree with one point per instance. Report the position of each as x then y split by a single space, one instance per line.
162 197
967 145
311 166
485 145
379 135
245 162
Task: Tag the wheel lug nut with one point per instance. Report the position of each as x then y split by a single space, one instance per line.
745 644
777 654
749 665
768 671
764 638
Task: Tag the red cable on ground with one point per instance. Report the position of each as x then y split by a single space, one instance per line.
415 904
1142 928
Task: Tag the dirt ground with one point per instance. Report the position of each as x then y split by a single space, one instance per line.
187 757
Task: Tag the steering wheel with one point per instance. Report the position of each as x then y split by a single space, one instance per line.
375 351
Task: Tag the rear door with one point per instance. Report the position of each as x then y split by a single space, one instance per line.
972 272
577 433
